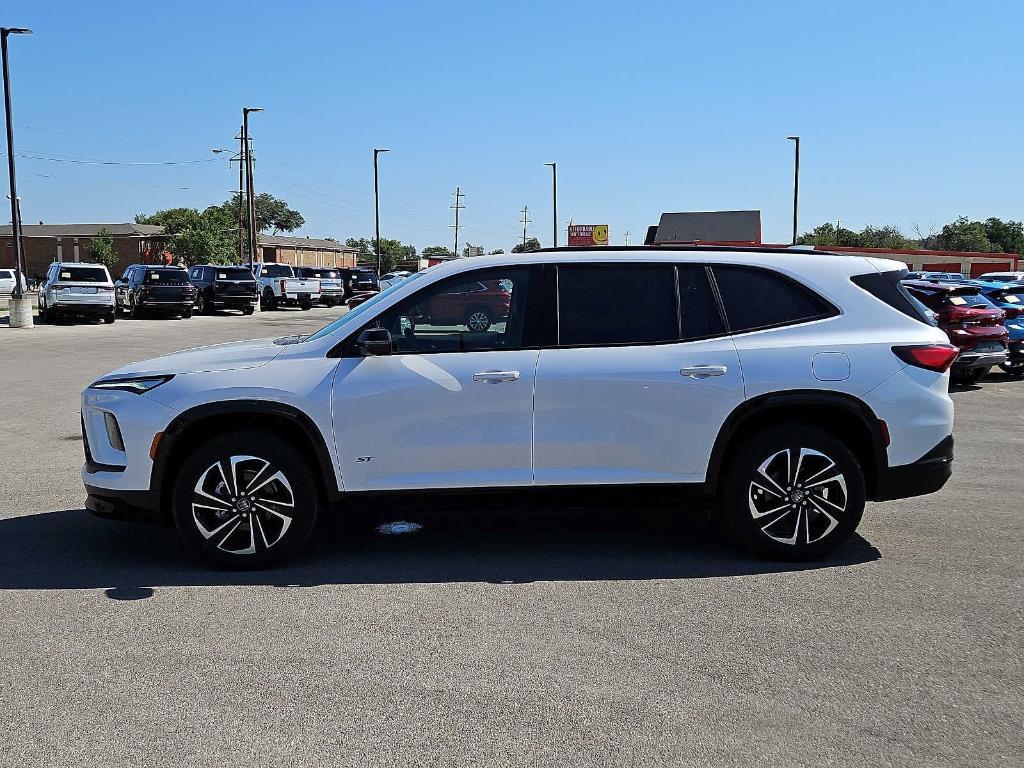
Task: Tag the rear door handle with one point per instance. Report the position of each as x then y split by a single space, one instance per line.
703 371
496 377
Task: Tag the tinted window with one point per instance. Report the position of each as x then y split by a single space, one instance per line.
276 270
616 304
760 298
324 274
164 276
699 314
233 273
887 287
442 320
82 275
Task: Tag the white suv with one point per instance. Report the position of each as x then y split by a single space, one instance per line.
73 288
788 387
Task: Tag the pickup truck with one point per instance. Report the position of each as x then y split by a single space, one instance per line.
278 286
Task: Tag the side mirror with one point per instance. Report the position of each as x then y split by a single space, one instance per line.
374 341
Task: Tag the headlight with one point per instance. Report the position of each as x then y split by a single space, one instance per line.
137 384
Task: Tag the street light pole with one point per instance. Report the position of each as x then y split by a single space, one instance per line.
796 182
554 203
16 292
376 208
251 203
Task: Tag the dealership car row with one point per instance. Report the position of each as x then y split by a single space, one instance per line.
83 289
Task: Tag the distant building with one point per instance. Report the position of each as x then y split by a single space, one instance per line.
46 243
146 244
740 227
306 251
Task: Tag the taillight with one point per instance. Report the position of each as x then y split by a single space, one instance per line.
933 357
282 286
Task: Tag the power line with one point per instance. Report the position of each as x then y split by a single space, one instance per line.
458 207
29 155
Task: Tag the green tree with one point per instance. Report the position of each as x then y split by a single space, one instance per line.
391 252
203 242
829 234
436 251
496 251
533 244
1005 236
101 250
888 236
965 235
272 214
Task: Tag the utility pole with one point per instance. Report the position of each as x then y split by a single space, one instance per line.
627 237
554 204
458 207
796 182
21 309
376 208
839 223
241 192
526 220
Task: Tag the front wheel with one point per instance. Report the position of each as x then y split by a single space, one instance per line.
1015 368
268 300
245 500
793 492
478 319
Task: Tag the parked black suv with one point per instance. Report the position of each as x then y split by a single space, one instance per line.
155 288
223 287
360 284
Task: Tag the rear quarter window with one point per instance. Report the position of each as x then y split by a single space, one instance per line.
888 287
755 298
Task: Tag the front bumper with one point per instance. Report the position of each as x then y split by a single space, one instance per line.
926 475
1016 352
136 506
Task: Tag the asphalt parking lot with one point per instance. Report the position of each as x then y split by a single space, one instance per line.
618 637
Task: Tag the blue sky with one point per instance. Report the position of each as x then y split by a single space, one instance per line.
910 112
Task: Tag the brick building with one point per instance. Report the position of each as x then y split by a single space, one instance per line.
46 243
306 251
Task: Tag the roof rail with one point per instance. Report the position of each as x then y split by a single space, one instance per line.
690 247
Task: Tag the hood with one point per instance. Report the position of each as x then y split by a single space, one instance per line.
232 356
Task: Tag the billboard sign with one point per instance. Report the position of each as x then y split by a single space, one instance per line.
588 234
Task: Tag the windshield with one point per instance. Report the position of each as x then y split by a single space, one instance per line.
352 317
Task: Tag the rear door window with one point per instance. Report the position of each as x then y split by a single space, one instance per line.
757 298
234 273
616 304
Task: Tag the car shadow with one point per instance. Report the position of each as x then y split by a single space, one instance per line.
71 549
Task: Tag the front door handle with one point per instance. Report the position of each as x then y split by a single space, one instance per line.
496 377
703 371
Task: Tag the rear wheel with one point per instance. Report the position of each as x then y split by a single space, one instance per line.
187 313
201 308
108 319
267 299
248 311
1015 368
793 492
245 500
970 376
305 304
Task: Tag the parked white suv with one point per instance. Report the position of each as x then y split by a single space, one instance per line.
7 282
73 288
788 387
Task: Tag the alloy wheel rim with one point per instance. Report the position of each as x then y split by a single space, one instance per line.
243 505
478 321
797 496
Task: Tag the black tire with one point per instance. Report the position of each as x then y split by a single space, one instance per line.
258 455
134 311
1014 369
305 305
478 319
774 516
108 319
201 308
970 376
248 311
44 315
268 300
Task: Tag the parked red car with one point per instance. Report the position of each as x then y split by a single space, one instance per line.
476 304
972 322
